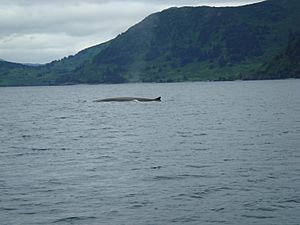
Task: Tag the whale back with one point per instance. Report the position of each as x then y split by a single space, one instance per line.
127 99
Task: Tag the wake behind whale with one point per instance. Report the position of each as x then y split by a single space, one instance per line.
128 99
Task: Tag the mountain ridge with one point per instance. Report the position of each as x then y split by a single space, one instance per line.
182 44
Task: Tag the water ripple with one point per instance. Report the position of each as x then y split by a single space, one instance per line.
211 153
73 219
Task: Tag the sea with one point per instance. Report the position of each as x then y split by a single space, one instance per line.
210 153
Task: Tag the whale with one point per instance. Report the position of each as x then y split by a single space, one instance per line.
129 99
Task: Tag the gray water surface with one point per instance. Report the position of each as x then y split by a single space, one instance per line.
209 153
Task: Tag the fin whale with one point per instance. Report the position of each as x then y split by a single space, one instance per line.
128 99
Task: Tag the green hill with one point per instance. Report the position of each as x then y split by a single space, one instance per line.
57 72
285 64
13 73
186 44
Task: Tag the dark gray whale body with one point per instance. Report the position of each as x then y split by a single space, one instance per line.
128 99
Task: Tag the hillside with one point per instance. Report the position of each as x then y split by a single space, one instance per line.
188 43
57 72
196 43
12 73
285 64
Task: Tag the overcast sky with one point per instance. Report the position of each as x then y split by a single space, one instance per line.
38 31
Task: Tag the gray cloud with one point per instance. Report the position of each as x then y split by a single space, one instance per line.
39 32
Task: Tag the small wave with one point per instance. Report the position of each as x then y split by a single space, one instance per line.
23 154
28 213
107 128
181 176
48 190
266 209
200 134
256 180
216 221
198 166
110 137
105 157
248 144
258 217
40 149
131 195
218 209
184 133
197 195
26 136
228 160
30 204
294 200
201 149
74 218
130 135
195 176
159 178
184 220
134 151
62 118
7 209
206 191
155 167
55 182
137 204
